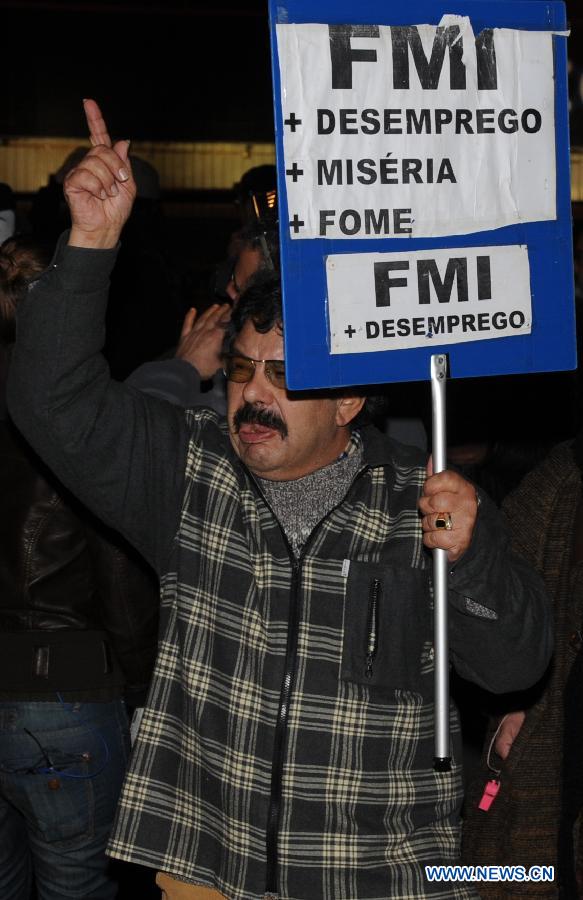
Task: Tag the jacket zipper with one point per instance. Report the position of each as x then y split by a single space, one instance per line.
372 638
281 733
274 811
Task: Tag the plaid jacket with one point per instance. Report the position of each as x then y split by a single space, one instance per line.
359 810
287 744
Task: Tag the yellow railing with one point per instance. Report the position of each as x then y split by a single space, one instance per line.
26 163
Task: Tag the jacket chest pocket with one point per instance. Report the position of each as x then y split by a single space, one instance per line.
387 626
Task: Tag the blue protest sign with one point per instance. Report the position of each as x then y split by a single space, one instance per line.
423 167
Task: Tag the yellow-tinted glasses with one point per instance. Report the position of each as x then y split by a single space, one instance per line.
241 368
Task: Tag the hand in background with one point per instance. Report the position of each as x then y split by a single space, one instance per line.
201 338
508 732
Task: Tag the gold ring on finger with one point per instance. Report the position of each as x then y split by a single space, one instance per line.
444 520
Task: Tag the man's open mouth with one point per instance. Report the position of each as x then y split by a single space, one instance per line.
255 434
254 425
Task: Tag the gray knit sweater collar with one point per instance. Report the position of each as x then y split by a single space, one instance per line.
300 504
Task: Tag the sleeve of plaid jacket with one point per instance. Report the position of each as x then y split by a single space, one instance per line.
119 451
501 630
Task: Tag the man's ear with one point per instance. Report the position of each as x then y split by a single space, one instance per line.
347 408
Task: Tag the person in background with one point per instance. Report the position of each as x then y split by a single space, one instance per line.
78 629
534 744
194 376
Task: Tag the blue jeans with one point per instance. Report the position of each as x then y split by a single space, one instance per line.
61 769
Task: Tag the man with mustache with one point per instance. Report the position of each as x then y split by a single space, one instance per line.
286 747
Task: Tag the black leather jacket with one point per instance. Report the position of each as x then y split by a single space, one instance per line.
78 607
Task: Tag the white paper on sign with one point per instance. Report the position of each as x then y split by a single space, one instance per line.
396 301
416 131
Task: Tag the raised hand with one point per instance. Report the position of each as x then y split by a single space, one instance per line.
201 339
100 191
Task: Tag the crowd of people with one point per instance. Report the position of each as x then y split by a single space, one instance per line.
216 596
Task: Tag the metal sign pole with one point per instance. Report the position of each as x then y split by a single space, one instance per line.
442 761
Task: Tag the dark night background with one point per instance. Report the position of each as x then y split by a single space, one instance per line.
177 71
181 71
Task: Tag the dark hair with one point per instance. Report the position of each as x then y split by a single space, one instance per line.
262 304
21 258
375 409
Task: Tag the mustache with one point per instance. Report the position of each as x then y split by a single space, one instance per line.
255 415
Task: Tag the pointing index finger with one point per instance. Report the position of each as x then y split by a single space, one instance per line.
98 133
